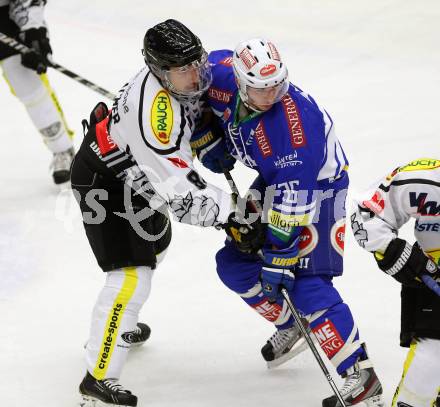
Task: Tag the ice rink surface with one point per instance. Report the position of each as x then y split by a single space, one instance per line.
373 65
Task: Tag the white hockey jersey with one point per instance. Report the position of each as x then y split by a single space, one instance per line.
155 129
411 191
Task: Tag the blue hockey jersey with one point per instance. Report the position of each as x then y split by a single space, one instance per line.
294 149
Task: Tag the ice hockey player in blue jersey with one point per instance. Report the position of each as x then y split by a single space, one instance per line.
273 127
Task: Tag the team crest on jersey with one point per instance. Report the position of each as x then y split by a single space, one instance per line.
308 240
297 136
162 117
337 236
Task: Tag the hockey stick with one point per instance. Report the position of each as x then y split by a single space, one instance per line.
431 283
23 49
296 315
312 346
231 183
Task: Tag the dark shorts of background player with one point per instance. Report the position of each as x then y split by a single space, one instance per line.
114 242
420 314
8 27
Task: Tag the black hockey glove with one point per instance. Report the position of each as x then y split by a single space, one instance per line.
406 263
247 232
37 40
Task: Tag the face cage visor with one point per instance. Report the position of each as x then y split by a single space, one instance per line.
191 80
262 99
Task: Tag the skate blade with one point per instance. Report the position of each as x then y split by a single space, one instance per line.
298 348
89 401
375 401
137 344
132 345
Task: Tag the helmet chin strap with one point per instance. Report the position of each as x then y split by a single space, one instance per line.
254 109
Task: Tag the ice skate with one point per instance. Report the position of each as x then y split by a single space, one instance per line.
60 166
282 346
137 337
361 387
106 392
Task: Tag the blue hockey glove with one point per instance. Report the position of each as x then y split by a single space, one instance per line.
278 270
273 279
209 145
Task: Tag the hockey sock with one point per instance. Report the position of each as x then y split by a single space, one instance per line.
338 336
116 312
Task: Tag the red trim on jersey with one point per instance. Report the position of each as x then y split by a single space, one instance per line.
178 162
104 140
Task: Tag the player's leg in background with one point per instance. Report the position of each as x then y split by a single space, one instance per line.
44 110
420 383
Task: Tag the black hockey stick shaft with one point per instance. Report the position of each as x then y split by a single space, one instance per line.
296 315
23 49
232 184
312 346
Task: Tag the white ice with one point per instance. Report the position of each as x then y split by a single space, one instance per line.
374 66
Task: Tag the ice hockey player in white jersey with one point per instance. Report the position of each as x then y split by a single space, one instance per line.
410 191
27 79
137 159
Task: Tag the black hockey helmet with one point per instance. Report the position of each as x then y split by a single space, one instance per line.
171 44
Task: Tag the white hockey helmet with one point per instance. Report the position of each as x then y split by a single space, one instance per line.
257 66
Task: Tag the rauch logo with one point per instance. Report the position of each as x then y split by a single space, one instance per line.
162 117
